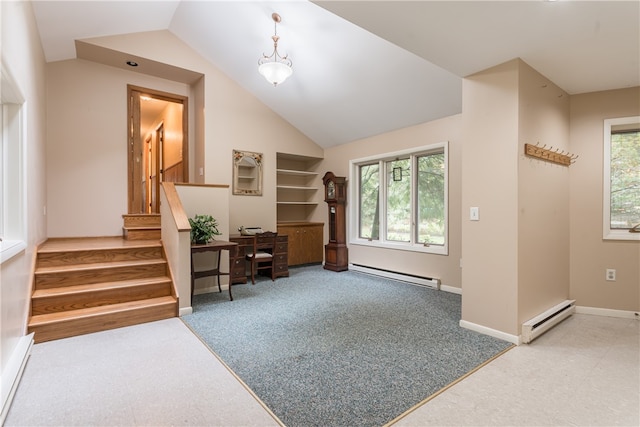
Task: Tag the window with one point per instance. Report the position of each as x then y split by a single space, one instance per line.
621 199
12 188
400 200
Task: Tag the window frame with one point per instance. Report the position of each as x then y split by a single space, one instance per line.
607 232
354 206
13 132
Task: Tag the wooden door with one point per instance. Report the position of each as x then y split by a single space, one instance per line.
143 194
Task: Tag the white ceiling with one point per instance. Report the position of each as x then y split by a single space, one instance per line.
401 64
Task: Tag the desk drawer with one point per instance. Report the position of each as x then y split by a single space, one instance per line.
282 245
281 259
282 270
237 271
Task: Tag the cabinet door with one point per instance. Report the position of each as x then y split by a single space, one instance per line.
305 243
311 244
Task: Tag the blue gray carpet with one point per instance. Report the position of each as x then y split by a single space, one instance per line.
340 349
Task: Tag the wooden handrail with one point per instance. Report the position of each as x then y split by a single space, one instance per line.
175 206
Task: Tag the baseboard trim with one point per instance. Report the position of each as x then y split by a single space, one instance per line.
513 339
608 312
13 372
184 311
429 282
451 289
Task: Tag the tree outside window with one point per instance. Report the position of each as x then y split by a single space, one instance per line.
402 200
625 179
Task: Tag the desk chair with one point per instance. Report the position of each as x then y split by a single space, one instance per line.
261 258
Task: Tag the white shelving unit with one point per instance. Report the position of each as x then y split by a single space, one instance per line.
298 186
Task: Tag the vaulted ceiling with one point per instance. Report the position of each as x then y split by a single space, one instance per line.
366 67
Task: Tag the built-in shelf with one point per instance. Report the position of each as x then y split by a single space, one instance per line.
295 172
297 203
297 187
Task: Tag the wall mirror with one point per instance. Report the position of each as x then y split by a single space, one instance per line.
247 173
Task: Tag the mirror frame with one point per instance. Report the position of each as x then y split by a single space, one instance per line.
247 173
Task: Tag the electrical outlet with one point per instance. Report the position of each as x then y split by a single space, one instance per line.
611 275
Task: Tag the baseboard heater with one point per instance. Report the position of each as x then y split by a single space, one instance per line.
537 326
403 277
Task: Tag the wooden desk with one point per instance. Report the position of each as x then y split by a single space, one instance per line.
238 268
245 246
214 246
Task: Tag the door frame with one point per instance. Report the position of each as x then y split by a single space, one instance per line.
135 144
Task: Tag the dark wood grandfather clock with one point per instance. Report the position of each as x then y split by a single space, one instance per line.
336 256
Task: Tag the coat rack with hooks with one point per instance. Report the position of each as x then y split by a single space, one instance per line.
549 154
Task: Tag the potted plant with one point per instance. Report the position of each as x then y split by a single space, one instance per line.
203 228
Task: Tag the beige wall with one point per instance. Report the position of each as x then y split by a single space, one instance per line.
590 254
543 196
490 182
171 118
205 200
516 257
233 119
23 56
447 268
87 145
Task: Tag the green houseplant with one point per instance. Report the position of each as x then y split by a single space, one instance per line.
203 228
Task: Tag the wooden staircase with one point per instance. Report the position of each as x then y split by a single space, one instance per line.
141 226
84 285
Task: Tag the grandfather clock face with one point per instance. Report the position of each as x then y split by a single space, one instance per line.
331 190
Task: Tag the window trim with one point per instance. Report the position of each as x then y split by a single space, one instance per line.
607 232
353 207
13 231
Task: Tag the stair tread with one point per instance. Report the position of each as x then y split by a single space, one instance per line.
43 319
142 227
87 244
97 266
76 289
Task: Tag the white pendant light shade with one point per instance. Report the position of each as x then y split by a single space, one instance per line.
275 68
275 72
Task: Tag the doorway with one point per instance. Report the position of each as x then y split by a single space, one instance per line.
158 148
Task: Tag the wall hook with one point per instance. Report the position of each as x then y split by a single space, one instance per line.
550 154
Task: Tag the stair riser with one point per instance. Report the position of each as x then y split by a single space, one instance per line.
59 303
141 220
85 325
85 277
53 259
133 234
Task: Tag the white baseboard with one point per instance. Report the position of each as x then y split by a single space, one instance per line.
12 373
429 282
608 312
451 289
200 291
514 339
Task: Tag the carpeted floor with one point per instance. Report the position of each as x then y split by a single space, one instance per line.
340 349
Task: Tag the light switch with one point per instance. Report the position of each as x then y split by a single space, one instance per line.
474 214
